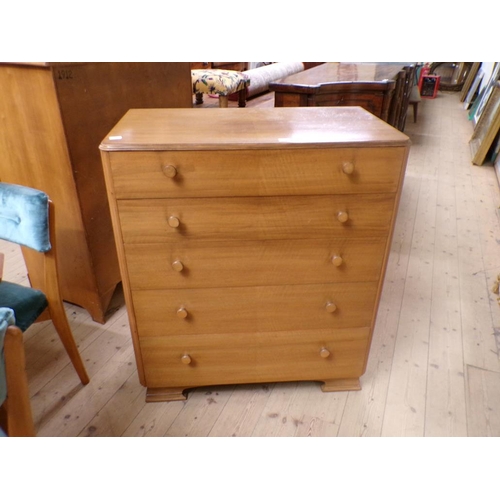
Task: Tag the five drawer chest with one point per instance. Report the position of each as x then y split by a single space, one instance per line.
252 242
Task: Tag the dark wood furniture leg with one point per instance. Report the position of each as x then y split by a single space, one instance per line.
415 109
242 98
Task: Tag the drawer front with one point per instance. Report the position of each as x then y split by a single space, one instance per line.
255 172
252 263
264 357
255 218
254 309
371 101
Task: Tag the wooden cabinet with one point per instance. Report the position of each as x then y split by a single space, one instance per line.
54 118
381 88
252 245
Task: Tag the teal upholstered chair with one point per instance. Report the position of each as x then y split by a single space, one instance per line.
16 419
27 218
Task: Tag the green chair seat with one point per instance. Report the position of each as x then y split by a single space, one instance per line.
27 303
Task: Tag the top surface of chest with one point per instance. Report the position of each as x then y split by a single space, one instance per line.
253 128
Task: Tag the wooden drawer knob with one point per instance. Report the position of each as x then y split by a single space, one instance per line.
348 167
186 359
324 353
177 265
330 307
170 171
182 313
337 260
173 221
343 216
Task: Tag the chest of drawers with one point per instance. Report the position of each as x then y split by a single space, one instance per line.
252 242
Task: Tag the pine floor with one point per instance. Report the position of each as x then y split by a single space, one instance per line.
434 365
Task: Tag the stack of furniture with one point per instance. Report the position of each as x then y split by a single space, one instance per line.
252 245
239 85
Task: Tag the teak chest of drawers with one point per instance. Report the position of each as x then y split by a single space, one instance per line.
252 242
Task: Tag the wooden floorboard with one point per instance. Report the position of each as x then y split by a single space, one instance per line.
433 369
483 405
445 398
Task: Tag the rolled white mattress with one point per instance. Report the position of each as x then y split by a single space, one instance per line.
261 77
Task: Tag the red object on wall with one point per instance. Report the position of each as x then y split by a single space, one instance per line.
429 86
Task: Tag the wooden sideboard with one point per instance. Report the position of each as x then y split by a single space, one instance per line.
252 245
381 88
54 118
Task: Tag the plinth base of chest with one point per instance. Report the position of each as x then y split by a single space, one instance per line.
167 394
164 394
345 384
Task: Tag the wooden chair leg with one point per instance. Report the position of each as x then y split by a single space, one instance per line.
199 97
415 109
18 407
223 101
58 316
56 306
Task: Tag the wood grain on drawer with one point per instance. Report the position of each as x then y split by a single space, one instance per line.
251 263
255 218
261 357
254 309
255 173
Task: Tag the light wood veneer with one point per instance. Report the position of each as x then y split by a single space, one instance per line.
54 117
252 243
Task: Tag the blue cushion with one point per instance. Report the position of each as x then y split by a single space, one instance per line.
27 303
6 318
24 216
